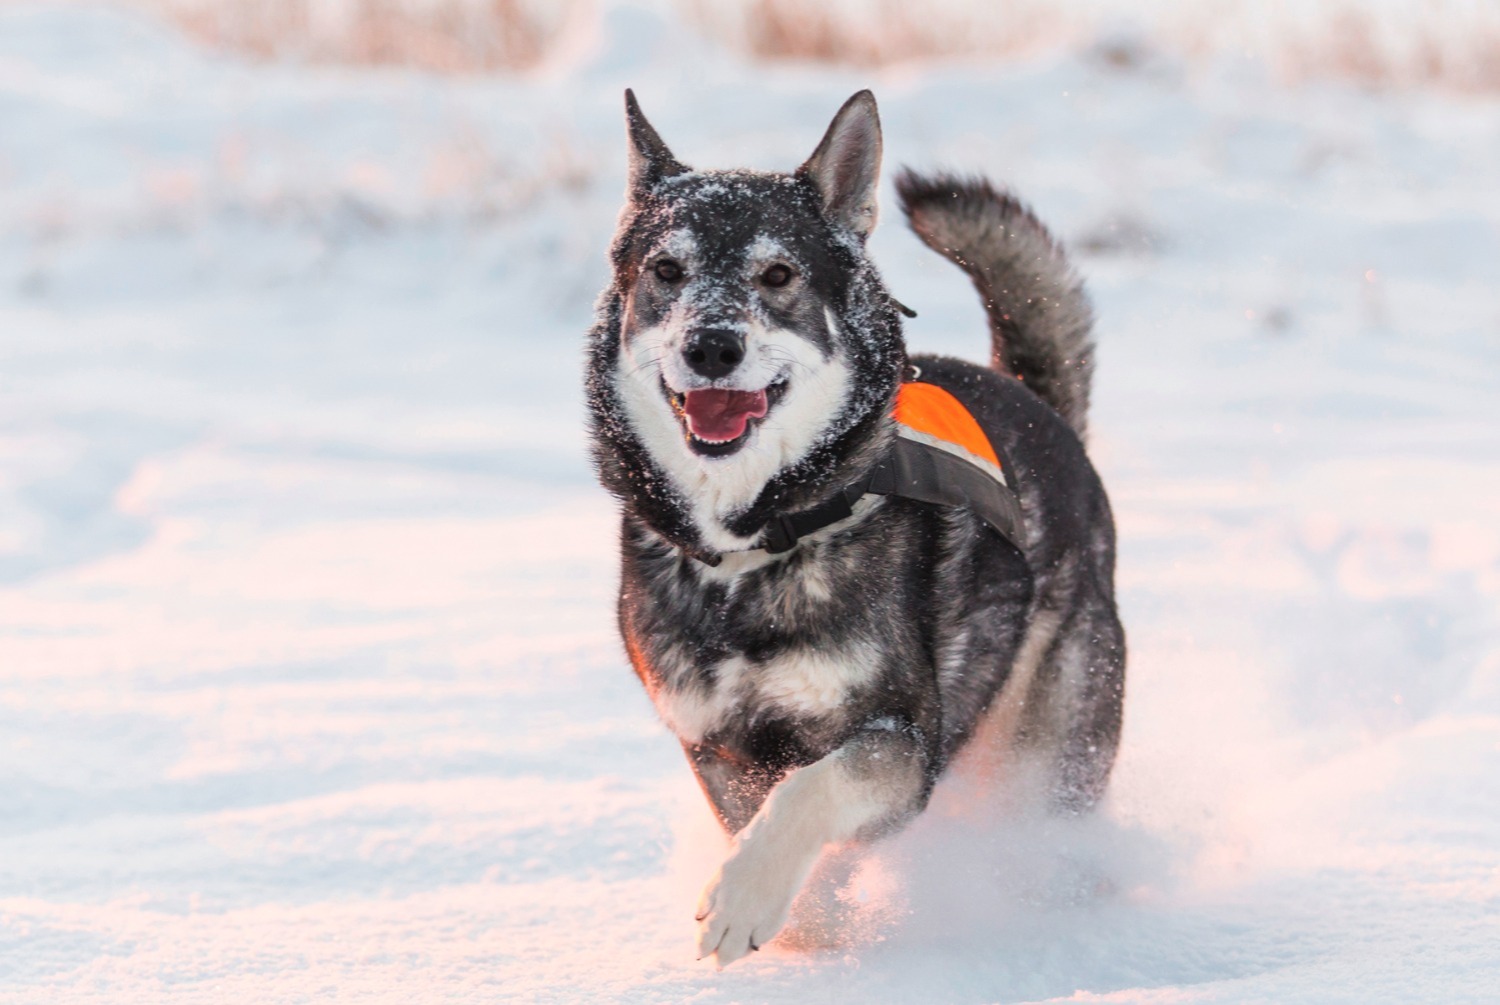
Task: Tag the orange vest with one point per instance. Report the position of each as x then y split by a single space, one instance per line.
929 409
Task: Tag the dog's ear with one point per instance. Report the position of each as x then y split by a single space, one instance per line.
846 165
650 160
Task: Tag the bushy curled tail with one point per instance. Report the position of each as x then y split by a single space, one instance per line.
1040 318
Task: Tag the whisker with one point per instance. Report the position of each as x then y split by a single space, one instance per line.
788 361
654 362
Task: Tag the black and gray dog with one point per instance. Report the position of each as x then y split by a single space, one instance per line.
741 379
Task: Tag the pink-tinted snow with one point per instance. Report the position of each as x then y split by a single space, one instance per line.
309 686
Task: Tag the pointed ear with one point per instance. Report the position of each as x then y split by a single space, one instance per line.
650 160
846 165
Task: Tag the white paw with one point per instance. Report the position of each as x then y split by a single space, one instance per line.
744 906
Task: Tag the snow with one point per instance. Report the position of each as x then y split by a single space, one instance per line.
308 678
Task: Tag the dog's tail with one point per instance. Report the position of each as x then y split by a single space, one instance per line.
1040 318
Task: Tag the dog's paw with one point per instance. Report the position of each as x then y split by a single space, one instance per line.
744 906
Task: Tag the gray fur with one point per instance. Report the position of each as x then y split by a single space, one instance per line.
870 653
1040 317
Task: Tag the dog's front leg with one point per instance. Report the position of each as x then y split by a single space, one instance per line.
872 783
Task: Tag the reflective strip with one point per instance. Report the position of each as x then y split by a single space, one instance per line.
917 436
933 410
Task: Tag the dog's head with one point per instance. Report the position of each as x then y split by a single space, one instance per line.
750 334
734 283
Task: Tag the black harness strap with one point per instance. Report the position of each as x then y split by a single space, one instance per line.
784 531
930 474
920 472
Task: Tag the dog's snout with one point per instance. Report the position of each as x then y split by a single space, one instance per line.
714 352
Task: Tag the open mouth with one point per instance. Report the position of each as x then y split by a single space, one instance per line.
717 420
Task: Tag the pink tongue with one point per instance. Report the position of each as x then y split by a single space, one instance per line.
720 416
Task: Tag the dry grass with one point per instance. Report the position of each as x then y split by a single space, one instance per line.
1452 46
1448 43
1386 44
872 33
447 36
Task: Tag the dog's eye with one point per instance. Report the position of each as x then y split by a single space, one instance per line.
776 276
668 271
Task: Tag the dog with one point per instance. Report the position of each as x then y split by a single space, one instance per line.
823 602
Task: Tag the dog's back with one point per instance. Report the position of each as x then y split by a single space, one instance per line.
1065 687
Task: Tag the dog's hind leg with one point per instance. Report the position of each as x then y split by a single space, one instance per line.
874 782
1073 708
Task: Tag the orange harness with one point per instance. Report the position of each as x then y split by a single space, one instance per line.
932 411
941 457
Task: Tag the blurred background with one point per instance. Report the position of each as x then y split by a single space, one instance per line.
1384 43
309 685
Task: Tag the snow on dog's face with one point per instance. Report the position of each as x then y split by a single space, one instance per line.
741 341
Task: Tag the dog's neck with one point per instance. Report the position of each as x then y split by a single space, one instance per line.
693 526
810 483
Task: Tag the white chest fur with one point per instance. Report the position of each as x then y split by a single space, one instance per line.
800 682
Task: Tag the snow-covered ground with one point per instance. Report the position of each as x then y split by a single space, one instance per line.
308 680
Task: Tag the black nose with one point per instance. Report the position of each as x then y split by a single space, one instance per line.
714 352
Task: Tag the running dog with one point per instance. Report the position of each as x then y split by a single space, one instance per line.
838 559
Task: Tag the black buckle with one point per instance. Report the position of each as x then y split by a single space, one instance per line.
781 535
